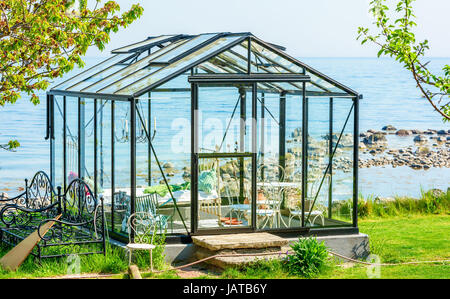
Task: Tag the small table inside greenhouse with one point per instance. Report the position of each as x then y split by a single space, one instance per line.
274 203
183 197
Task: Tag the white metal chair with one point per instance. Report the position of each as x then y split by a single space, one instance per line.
295 211
143 225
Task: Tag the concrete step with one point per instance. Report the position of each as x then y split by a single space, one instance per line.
238 244
235 241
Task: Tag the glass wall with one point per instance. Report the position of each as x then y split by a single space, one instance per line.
342 178
122 165
71 138
58 142
104 156
87 142
317 192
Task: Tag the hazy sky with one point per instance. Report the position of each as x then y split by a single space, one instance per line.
308 28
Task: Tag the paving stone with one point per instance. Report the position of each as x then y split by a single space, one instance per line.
235 241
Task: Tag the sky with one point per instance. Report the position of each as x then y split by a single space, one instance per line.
307 28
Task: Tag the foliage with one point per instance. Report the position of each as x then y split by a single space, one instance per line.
115 261
433 201
41 40
260 269
10 146
397 39
308 258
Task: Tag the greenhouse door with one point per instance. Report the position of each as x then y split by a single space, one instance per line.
223 164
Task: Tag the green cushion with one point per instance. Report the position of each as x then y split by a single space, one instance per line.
207 181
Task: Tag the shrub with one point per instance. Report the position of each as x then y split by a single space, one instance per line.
308 258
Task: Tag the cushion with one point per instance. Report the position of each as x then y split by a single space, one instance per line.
207 181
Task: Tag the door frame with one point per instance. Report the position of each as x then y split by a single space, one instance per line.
248 79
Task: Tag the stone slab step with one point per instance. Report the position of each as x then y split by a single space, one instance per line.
236 241
227 262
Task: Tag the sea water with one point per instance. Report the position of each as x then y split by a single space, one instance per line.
390 97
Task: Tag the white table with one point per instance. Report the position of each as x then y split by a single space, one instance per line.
181 196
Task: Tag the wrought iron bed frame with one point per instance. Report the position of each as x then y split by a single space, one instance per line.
81 223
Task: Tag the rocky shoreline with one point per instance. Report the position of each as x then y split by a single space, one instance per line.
430 148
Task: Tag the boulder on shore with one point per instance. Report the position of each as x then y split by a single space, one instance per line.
389 128
375 138
420 139
403 132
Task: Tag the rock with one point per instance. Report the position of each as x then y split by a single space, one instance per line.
423 150
375 138
389 128
441 139
436 192
362 145
168 165
4 195
384 199
442 132
420 139
403 132
415 131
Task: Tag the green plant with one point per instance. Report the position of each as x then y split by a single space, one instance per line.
397 39
142 257
308 259
42 40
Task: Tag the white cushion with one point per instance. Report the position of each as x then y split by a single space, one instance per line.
140 246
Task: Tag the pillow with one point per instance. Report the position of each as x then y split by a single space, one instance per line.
207 181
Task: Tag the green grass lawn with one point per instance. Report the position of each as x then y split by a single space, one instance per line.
394 240
404 239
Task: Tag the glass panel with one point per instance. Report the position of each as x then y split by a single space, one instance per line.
216 66
87 141
104 173
169 128
268 170
72 138
185 47
174 67
93 70
122 165
142 145
59 141
342 176
224 135
141 44
225 192
268 60
136 70
316 201
323 84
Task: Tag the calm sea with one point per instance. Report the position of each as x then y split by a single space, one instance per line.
390 97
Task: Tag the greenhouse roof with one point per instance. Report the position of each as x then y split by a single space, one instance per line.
139 68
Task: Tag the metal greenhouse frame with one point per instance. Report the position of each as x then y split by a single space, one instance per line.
203 64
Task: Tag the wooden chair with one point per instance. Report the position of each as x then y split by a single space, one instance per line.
143 225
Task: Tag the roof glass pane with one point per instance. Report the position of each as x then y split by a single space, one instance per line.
323 83
131 47
177 66
274 58
95 69
141 66
240 64
185 47
211 67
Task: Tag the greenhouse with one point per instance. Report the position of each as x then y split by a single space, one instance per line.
213 133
